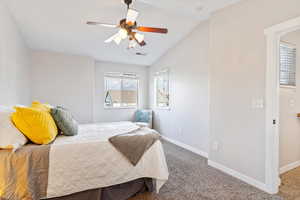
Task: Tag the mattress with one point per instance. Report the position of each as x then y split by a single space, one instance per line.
88 161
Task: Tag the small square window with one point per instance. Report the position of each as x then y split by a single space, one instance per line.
121 90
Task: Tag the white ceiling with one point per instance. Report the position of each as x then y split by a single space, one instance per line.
59 25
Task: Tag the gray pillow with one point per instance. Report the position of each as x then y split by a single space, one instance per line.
64 121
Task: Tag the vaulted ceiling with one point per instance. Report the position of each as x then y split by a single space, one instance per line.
60 25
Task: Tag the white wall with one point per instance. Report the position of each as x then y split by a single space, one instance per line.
77 83
188 119
109 115
66 80
289 107
238 64
14 62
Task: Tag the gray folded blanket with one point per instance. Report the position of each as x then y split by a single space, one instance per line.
133 146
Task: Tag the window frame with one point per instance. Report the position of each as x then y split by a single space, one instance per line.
291 46
157 74
121 76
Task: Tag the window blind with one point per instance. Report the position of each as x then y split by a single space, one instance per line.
121 90
287 65
121 75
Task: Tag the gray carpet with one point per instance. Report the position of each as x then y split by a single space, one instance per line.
192 179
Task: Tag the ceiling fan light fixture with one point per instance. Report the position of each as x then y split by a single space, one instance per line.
132 44
123 33
131 16
111 38
140 38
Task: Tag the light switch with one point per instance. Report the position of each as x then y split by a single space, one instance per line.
258 103
292 102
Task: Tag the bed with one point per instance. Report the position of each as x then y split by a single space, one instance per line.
85 163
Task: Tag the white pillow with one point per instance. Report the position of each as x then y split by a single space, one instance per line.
7 108
10 136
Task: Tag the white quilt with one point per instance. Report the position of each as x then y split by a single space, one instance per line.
88 161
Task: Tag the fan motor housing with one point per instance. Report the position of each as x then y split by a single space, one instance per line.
128 2
127 26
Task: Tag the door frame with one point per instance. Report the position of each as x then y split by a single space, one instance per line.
273 35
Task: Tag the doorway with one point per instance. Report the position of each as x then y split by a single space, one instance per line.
272 165
289 107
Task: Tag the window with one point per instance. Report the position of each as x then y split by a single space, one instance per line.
162 89
121 90
287 65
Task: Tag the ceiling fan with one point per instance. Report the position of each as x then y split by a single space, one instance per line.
128 29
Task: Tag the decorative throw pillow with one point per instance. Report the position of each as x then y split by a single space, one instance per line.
65 121
10 136
36 124
7 109
45 107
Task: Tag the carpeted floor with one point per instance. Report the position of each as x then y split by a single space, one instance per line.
192 179
290 185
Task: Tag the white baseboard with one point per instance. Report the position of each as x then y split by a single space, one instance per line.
289 167
238 175
187 147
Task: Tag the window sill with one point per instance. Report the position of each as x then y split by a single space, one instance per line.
163 108
120 108
287 86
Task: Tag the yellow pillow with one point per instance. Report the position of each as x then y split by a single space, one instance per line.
36 124
45 107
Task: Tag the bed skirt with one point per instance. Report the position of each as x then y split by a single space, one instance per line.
117 192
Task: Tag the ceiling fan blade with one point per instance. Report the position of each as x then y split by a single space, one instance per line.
132 44
123 33
112 38
118 39
152 30
131 16
103 24
143 43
